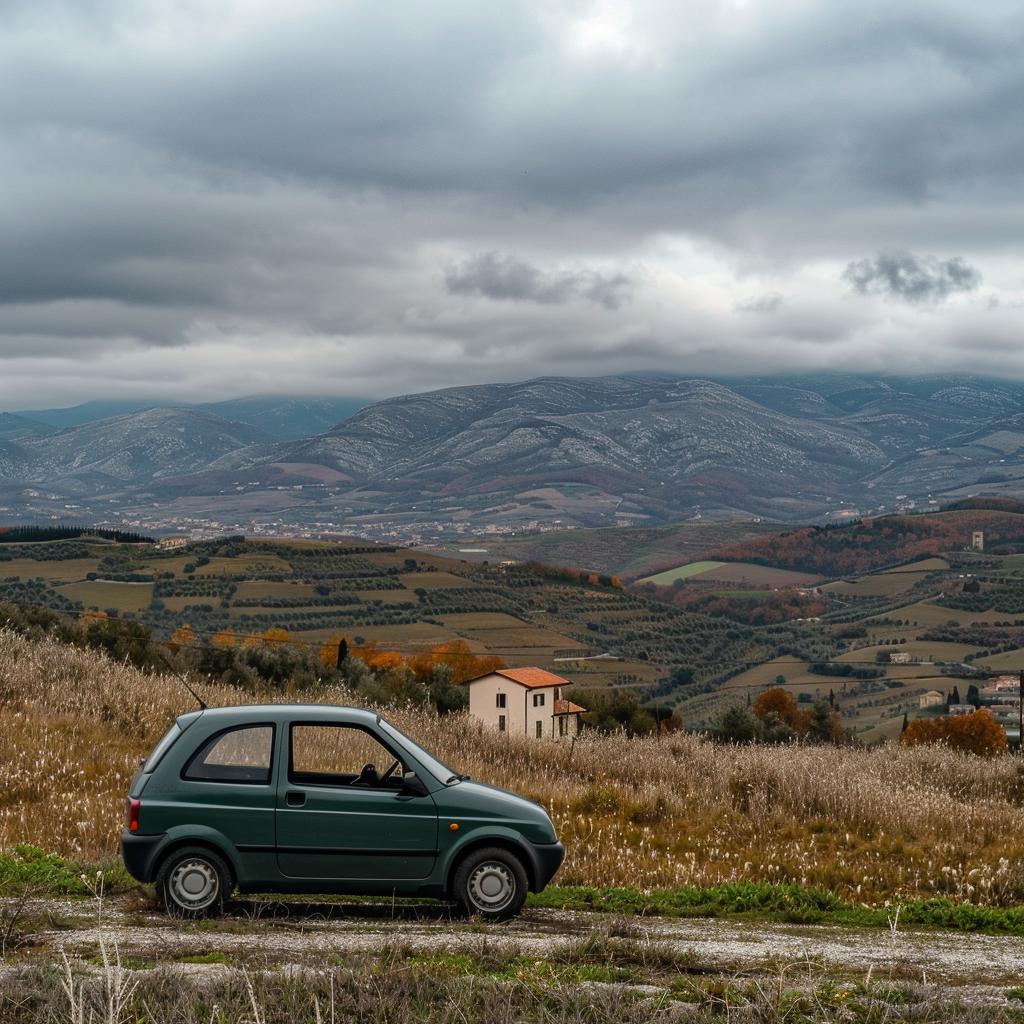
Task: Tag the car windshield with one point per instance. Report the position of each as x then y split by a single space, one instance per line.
437 768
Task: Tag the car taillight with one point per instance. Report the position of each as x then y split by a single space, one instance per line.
132 815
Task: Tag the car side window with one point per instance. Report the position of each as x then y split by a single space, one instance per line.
242 754
336 755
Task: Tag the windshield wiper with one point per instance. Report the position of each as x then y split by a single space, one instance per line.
456 778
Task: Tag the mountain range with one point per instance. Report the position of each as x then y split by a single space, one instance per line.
549 451
282 417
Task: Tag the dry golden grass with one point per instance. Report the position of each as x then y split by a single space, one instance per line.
872 825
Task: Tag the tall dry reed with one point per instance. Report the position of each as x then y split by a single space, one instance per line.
873 825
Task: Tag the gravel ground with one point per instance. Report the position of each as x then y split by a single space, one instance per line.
307 933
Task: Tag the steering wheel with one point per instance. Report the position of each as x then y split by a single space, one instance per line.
367 776
391 771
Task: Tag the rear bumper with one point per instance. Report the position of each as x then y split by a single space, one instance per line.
547 858
137 853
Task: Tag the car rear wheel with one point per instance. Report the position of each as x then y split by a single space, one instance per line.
193 882
490 884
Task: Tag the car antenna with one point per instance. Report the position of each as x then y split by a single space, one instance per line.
184 682
199 700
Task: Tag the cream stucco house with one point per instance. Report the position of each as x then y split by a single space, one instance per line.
524 701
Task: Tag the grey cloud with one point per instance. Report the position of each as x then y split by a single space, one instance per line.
902 275
495 276
240 178
759 304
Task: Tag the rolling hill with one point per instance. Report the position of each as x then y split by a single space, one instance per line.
280 417
553 452
130 449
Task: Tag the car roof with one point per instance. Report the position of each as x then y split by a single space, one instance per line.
260 712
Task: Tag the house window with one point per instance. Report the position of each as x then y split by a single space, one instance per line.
499 700
538 700
501 723
540 729
561 725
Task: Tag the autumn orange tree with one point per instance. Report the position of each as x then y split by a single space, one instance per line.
458 657
377 658
272 638
181 637
976 733
225 638
780 702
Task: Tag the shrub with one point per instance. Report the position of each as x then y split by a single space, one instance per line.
976 733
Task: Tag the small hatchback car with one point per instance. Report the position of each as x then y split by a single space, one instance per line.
325 799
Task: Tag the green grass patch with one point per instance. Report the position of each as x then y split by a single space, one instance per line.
784 903
213 957
24 867
681 572
28 867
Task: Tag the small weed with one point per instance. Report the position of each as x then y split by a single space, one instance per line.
786 903
213 957
130 963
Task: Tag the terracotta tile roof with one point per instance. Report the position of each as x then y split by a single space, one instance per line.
566 707
531 678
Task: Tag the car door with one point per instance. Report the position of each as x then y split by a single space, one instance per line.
336 822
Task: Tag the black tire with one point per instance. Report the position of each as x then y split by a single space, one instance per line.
490 884
198 871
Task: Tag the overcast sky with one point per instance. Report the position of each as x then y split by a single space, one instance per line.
203 199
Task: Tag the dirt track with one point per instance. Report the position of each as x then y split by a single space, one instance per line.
308 933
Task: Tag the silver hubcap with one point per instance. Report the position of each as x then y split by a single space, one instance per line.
492 886
194 884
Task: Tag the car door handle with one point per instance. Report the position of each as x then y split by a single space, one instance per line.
294 798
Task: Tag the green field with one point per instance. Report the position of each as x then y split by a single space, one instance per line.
883 584
64 571
924 565
681 572
627 551
410 600
100 594
398 598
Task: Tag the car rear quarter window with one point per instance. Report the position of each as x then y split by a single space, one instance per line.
161 748
242 754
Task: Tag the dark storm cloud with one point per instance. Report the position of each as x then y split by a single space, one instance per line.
902 275
504 277
268 184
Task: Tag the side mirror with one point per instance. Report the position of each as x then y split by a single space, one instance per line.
412 785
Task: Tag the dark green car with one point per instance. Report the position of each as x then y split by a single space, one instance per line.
325 799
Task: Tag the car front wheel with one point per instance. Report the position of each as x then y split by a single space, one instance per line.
193 882
490 884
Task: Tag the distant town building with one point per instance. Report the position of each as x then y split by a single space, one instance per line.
524 701
899 658
961 709
1003 689
1004 712
931 699
978 540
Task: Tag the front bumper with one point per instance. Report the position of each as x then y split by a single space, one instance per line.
137 853
547 858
